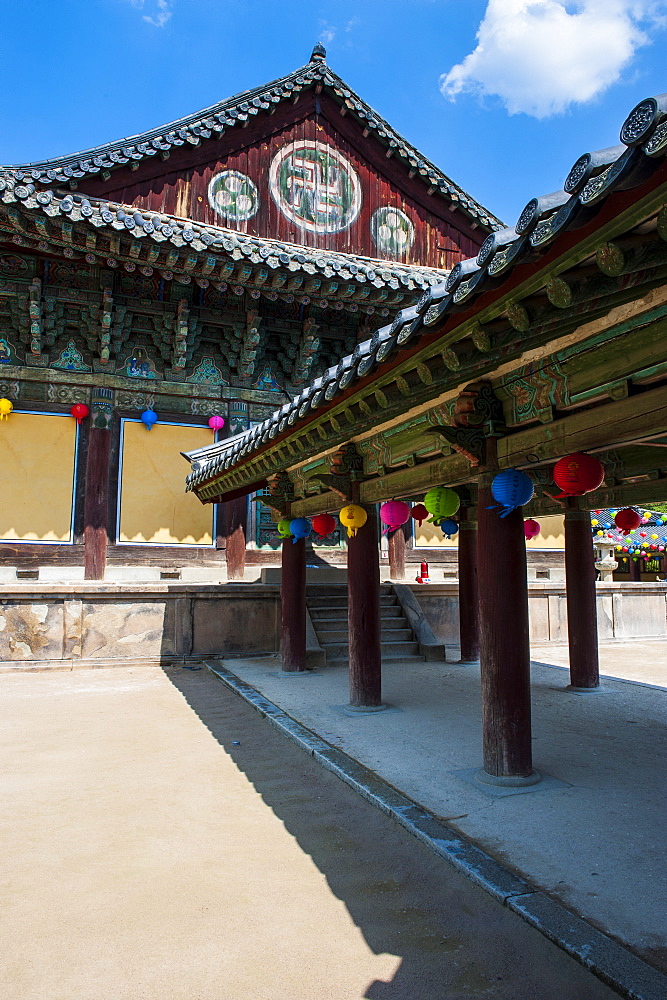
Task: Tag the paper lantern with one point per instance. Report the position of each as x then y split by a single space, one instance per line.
419 513
441 502
393 514
661 548
599 533
654 537
625 548
148 418
323 524
353 517
449 527
80 411
642 534
531 528
6 407
577 474
627 520
512 488
594 522
216 423
283 527
299 528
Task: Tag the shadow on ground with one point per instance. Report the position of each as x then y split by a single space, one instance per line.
453 940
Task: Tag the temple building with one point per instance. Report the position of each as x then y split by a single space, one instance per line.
209 268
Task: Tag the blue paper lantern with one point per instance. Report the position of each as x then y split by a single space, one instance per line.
512 488
449 527
300 527
148 418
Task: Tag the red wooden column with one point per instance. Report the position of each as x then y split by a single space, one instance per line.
582 622
468 597
396 544
96 500
363 613
293 605
504 645
235 524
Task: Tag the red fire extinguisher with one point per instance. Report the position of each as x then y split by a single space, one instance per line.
423 574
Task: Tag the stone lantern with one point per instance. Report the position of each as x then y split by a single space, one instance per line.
605 561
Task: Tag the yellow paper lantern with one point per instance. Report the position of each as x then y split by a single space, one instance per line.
599 532
595 522
654 537
6 407
353 517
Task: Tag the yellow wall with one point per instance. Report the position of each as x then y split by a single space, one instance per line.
153 505
551 536
37 455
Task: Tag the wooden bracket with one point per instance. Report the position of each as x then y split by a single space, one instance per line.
347 471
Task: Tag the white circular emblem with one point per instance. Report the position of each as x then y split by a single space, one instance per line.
315 186
392 231
233 195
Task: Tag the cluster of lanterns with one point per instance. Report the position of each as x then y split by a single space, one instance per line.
622 526
575 475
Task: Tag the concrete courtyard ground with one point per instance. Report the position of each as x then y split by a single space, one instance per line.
160 841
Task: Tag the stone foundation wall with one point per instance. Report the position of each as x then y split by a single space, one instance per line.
625 610
108 624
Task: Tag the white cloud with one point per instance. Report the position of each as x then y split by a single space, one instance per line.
541 56
162 11
327 34
162 15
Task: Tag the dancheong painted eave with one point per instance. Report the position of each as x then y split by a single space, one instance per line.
213 122
95 230
543 225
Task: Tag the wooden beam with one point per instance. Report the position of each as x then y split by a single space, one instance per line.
293 605
582 625
504 645
363 612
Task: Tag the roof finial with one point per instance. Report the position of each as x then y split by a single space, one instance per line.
319 53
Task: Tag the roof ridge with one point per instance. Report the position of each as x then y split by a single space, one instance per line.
200 124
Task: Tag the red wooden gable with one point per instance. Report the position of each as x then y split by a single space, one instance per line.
308 174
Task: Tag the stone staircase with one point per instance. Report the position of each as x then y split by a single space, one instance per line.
327 607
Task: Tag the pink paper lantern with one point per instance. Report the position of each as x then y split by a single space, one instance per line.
216 423
394 513
531 528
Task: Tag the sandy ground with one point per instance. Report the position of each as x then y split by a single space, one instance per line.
162 842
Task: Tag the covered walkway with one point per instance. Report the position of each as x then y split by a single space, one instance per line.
590 834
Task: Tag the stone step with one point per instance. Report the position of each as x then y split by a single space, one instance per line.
334 601
325 625
342 661
336 590
390 650
387 635
340 614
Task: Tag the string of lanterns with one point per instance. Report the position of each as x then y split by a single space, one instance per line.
621 528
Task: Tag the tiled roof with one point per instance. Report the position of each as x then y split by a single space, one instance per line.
41 218
235 111
589 183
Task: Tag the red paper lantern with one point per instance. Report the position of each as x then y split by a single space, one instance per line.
323 524
577 474
531 528
80 411
627 520
419 513
393 514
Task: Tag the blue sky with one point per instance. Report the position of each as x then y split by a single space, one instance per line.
503 95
